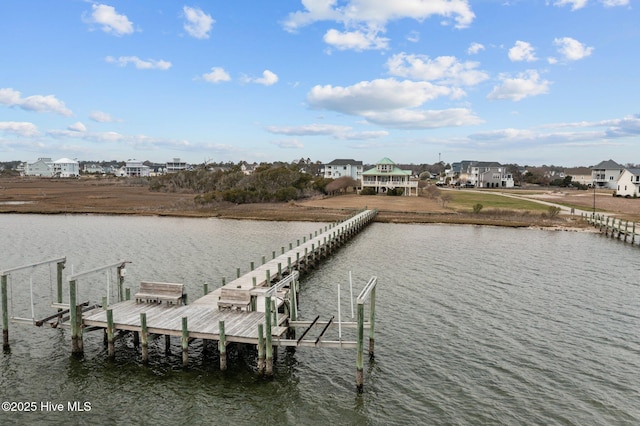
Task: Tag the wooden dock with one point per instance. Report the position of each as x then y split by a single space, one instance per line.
614 227
258 308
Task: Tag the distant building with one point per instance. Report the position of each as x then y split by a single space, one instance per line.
580 175
175 166
43 168
93 168
65 167
343 167
628 184
133 168
481 174
387 176
606 173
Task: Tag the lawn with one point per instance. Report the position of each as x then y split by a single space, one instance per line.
463 201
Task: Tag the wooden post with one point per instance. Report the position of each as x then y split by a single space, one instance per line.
111 351
60 267
5 314
222 347
260 349
273 254
224 281
268 347
360 348
268 278
372 321
75 319
120 283
185 342
237 272
626 226
293 307
633 232
263 260
252 266
127 293
167 344
144 337
205 288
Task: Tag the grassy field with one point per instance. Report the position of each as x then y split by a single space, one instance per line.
463 201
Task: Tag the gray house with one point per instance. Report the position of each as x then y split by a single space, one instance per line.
606 174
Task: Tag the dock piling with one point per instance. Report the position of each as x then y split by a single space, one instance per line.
5 315
185 342
144 337
110 335
222 347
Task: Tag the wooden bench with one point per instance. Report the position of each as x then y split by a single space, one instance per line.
156 292
234 299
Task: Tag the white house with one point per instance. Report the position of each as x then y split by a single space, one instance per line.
176 165
387 176
65 167
481 174
628 184
343 167
133 167
606 174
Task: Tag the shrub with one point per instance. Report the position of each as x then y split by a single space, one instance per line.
477 207
368 191
553 211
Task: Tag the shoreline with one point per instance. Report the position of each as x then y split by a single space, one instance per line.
120 197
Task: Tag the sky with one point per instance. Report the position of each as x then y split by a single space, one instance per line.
532 82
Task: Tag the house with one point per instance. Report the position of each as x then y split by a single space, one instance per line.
580 175
65 167
606 174
93 168
628 184
43 167
133 167
490 175
481 174
175 166
386 176
343 167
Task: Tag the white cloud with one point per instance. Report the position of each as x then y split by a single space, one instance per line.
77 127
413 37
575 4
392 103
579 4
444 69
38 103
572 49
20 128
522 86
140 64
374 15
424 119
522 51
376 95
355 40
198 24
475 48
309 130
614 3
289 144
216 75
268 78
110 20
102 117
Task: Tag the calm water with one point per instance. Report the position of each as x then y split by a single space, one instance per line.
475 325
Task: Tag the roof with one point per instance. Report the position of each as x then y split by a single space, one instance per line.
634 171
344 162
385 160
608 165
65 161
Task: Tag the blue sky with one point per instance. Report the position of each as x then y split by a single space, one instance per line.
528 82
